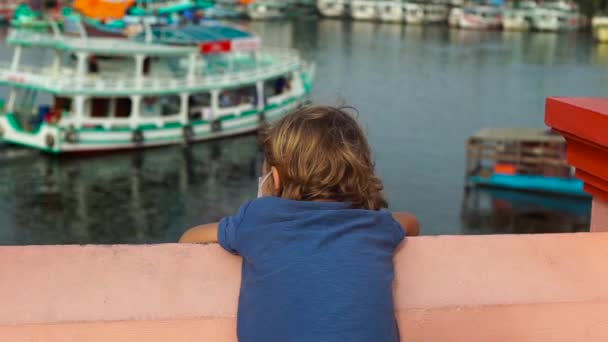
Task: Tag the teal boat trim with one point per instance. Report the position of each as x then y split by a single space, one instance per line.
558 185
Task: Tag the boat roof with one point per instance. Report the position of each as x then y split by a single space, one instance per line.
517 134
196 34
99 45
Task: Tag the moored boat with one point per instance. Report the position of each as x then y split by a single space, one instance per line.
519 18
363 10
115 94
435 13
333 8
480 18
266 9
557 16
390 11
599 25
413 13
521 159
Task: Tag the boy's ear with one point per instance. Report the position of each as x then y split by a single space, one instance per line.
276 180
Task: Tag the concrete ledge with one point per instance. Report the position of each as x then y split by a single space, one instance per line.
475 288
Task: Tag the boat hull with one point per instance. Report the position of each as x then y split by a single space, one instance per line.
363 10
534 183
108 140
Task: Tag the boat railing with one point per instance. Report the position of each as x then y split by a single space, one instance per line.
66 79
122 122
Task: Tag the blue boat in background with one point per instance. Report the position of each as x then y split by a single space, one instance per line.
524 159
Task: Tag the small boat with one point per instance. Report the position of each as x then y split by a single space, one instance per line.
525 159
435 13
166 86
599 26
413 13
390 11
480 18
519 18
333 8
557 16
454 17
363 10
266 9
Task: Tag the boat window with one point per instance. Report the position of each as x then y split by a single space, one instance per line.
62 104
238 96
152 106
170 105
100 107
199 106
122 107
104 107
277 86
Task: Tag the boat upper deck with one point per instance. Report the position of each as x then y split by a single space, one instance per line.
97 45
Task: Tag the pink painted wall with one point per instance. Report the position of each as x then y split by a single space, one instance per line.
475 288
599 216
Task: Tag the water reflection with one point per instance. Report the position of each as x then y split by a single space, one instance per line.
493 211
130 198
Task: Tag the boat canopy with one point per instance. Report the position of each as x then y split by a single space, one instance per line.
517 134
103 9
210 38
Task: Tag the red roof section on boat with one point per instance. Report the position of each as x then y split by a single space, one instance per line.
584 124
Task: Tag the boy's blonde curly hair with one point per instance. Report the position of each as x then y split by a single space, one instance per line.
321 153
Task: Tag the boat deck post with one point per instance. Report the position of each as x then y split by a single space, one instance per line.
16 58
135 110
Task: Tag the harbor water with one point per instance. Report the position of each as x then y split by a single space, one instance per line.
419 92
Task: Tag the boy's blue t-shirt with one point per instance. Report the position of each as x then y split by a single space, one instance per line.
313 271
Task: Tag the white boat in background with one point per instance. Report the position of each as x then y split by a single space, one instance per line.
266 9
435 13
333 8
521 18
363 10
413 13
454 17
480 18
599 26
557 16
390 11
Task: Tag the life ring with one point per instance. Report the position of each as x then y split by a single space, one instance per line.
216 126
188 133
71 136
49 140
138 137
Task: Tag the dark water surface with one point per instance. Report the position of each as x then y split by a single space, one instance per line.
420 91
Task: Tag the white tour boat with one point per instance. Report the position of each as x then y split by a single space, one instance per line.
110 94
435 13
520 18
599 25
557 16
363 10
333 8
267 9
481 18
390 11
413 13
454 17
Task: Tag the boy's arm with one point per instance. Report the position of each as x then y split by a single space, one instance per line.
206 233
409 222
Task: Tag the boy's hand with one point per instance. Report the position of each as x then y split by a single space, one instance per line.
202 234
409 222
